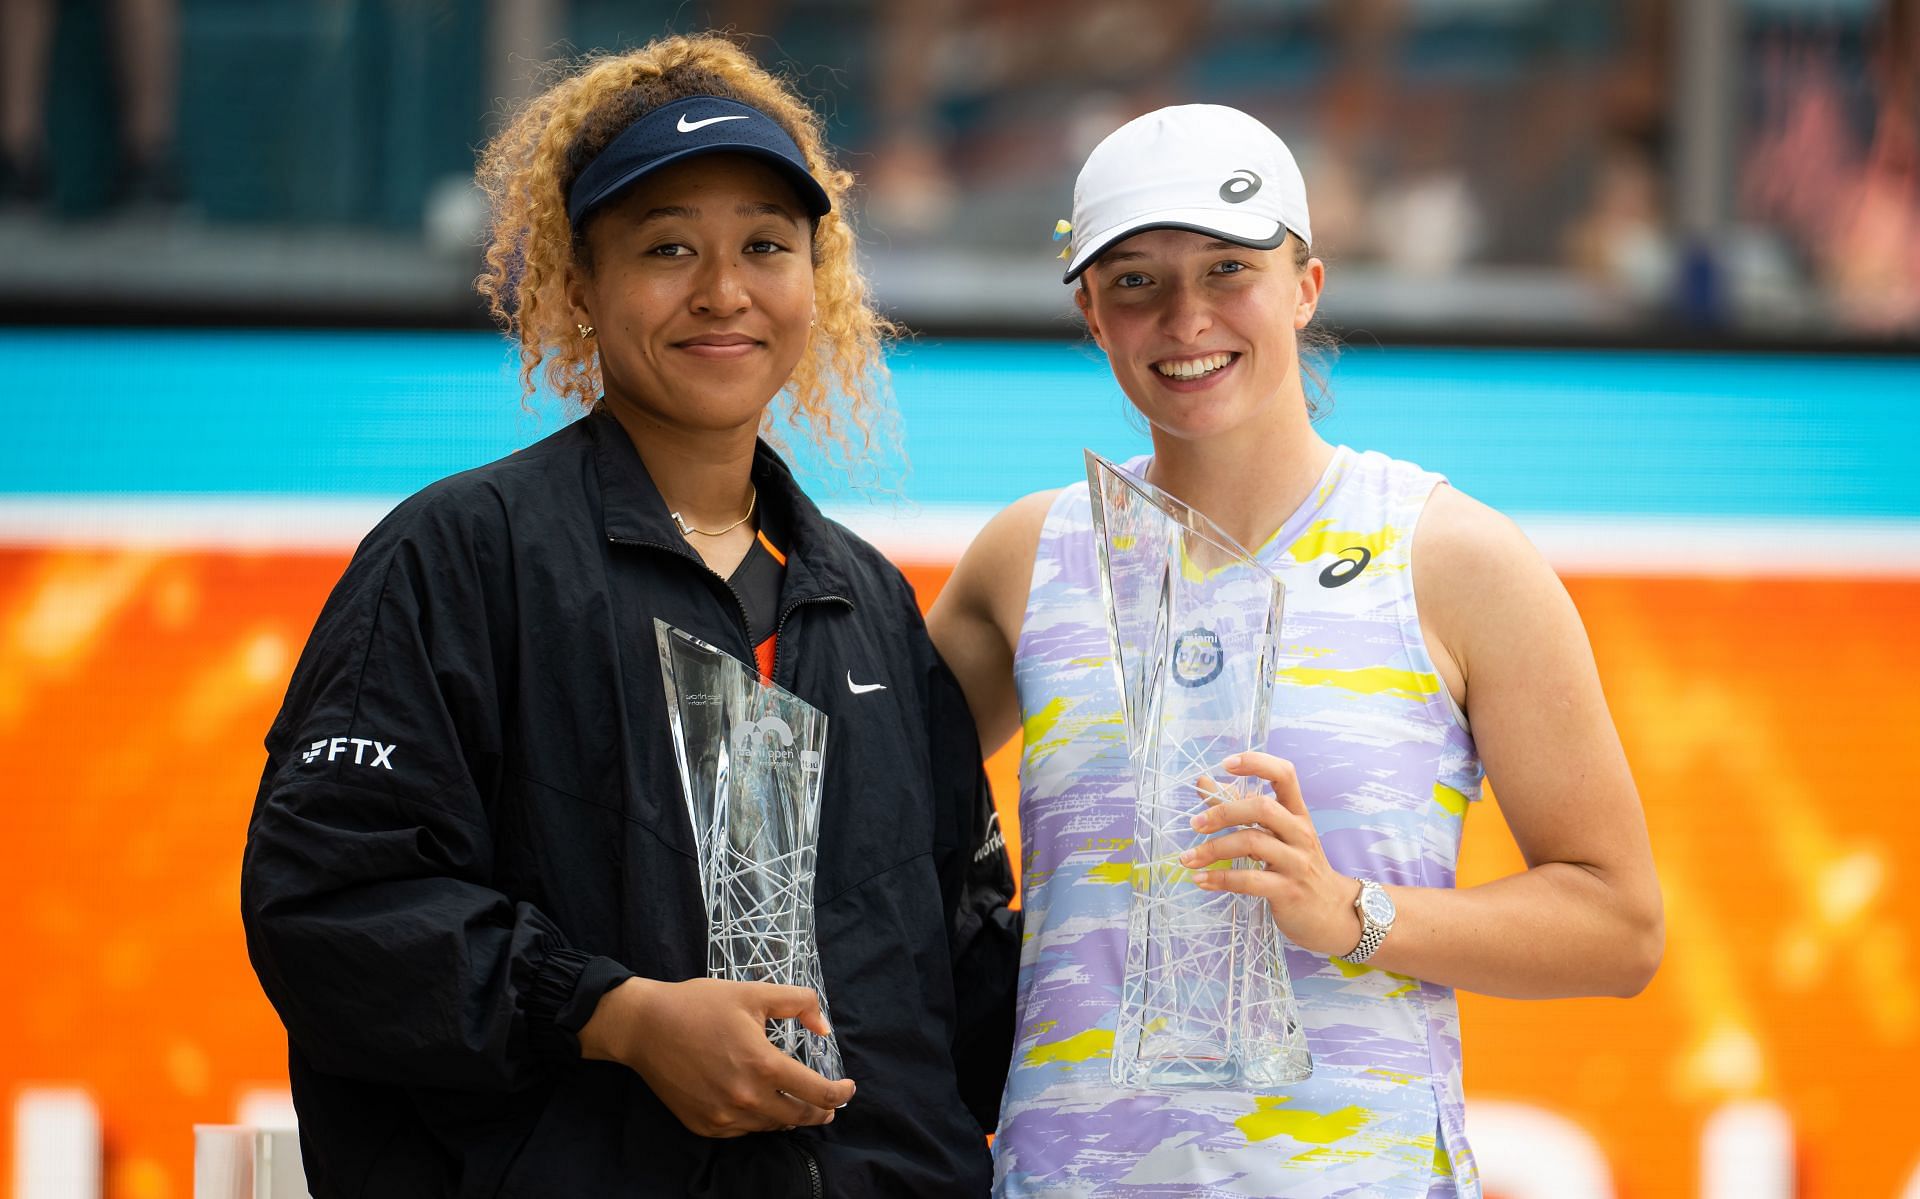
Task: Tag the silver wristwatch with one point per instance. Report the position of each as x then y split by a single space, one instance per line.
1376 920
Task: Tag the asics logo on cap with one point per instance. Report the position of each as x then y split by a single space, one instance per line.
1240 187
686 126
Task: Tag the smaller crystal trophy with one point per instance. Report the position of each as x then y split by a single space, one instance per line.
749 755
1194 623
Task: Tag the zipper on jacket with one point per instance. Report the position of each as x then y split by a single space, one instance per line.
739 605
746 629
816 1186
780 625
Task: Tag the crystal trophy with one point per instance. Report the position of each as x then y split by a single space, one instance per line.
749 755
1194 624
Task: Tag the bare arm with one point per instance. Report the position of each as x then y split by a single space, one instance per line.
975 623
1585 917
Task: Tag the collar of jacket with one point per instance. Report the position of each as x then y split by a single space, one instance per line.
632 510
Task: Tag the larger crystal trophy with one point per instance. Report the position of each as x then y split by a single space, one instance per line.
1194 623
750 757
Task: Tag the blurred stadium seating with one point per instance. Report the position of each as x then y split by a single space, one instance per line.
1481 169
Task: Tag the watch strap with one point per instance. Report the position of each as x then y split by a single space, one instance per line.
1372 932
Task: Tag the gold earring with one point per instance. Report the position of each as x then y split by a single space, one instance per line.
585 330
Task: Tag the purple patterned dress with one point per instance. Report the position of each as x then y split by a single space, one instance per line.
1387 767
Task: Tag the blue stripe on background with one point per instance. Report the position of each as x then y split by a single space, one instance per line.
1537 431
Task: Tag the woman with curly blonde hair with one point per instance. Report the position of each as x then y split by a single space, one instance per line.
470 887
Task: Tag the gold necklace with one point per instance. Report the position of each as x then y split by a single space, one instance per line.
687 530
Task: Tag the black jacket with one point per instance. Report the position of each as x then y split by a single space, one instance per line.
470 827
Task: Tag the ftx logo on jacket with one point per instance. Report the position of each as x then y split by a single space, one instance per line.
333 747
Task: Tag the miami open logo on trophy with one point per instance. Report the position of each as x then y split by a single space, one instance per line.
750 756
1194 623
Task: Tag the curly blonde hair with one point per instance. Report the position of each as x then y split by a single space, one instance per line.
528 168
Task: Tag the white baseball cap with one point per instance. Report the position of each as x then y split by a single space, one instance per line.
1202 167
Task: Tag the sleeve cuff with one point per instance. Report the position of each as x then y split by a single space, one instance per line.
564 995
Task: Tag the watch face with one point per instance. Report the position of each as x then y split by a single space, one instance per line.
1379 906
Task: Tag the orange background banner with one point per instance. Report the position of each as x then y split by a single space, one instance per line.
1770 724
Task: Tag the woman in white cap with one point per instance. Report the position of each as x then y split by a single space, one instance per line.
1424 638
470 885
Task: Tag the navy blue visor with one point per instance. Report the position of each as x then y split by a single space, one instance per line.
687 129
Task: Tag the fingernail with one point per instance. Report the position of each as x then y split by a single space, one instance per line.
1232 763
1200 821
1201 876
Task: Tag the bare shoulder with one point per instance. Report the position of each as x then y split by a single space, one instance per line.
992 575
1014 531
1459 539
1483 588
975 621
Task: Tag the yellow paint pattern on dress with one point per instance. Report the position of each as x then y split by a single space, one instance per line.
1041 723
1321 538
1367 680
1269 1119
1329 1156
1055 726
1080 1047
1122 868
1408 983
1210 561
1455 802
1401 1077
1147 874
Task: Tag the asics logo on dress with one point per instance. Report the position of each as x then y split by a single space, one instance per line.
686 126
863 688
1352 561
334 747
